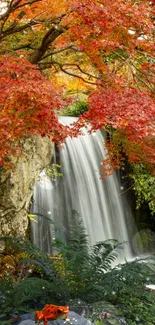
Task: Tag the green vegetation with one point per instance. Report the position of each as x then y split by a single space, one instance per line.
138 307
76 272
52 171
28 277
144 186
75 109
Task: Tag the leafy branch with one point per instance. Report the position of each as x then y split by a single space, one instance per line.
46 65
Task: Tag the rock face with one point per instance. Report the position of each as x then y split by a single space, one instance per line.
16 187
75 319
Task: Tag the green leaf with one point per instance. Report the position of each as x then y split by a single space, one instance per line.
2 315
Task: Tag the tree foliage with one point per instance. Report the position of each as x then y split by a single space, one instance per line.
144 186
134 123
109 46
27 105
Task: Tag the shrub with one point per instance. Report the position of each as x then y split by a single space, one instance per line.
76 109
33 278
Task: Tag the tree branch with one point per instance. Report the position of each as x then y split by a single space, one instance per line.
81 70
13 29
77 76
25 4
48 39
61 50
24 46
47 65
14 6
135 76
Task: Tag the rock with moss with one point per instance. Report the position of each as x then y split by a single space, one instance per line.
79 306
103 312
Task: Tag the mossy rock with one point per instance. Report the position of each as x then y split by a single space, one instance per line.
102 312
79 306
104 306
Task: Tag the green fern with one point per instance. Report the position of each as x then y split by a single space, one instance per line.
18 292
103 255
35 255
87 272
85 266
78 239
76 249
24 290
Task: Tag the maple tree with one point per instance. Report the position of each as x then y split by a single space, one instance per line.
25 105
108 46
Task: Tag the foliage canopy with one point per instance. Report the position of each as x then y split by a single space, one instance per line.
109 50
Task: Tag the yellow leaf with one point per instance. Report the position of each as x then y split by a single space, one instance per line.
32 217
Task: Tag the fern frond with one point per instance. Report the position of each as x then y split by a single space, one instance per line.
29 288
78 239
35 256
104 254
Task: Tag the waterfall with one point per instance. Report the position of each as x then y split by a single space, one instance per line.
99 202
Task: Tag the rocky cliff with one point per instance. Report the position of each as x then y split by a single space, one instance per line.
16 186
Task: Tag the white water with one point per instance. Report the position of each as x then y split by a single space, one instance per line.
98 202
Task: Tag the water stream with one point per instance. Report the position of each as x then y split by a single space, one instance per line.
100 204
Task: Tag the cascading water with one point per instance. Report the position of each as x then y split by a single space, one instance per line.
98 202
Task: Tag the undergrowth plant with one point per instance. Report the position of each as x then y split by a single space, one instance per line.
89 271
19 291
77 271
